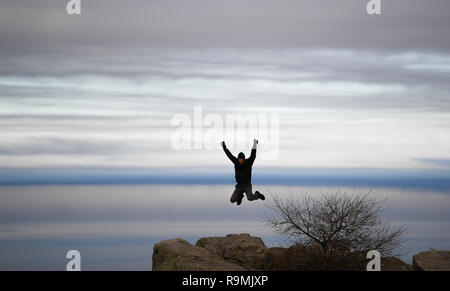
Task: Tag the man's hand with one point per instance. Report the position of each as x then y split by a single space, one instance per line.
255 142
223 145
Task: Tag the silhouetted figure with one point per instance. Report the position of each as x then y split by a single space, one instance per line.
243 174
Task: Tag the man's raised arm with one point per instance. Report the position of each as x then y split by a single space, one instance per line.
253 154
228 153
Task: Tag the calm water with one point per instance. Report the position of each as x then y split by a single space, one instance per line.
115 227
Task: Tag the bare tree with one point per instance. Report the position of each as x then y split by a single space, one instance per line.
340 225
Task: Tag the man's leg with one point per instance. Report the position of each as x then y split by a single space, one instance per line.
234 196
237 195
248 192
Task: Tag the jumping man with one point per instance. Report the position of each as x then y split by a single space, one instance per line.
243 174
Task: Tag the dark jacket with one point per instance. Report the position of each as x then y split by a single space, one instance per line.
243 173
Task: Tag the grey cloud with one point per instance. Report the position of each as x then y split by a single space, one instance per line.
140 203
314 91
443 163
239 67
124 69
323 23
58 146
179 203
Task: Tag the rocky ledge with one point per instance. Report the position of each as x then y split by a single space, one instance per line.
242 252
433 260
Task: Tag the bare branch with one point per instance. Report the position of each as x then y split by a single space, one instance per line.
336 222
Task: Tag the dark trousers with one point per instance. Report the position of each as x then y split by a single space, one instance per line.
239 191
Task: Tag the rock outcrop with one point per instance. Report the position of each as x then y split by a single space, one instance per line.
242 252
179 255
432 261
294 258
307 258
276 259
394 264
242 249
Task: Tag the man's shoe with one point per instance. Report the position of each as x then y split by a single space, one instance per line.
260 196
239 201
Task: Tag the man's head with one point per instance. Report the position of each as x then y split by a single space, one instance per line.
241 158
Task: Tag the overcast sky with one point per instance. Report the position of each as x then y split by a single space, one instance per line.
93 96
101 89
